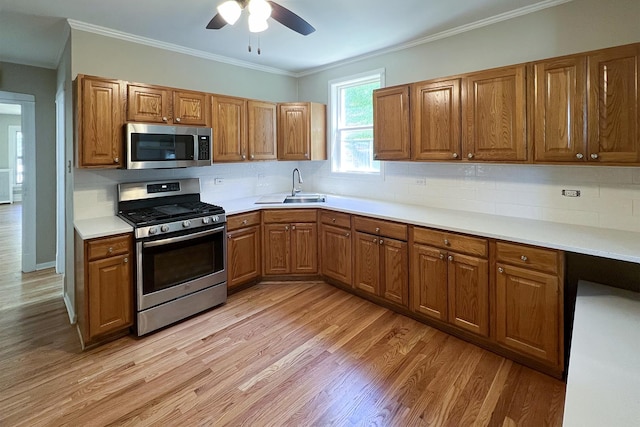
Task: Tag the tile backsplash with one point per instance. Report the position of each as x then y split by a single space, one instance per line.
609 196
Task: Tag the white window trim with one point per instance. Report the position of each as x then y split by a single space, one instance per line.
333 120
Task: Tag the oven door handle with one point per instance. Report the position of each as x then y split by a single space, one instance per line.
181 238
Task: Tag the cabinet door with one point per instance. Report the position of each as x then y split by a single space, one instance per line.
494 123
559 106
243 255
336 253
109 295
437 120
614 115
229 124
262 130
391 134
527 312
190 108
367 263
148 104
395 265
304 248
293 131
469 293
429 282
276 243
101 118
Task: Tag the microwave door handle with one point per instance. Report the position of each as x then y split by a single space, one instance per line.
181 238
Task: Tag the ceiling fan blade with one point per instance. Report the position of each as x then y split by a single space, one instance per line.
216 22
290 19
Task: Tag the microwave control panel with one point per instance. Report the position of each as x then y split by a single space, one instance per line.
204 147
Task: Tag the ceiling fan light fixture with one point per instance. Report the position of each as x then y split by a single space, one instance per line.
260 9
257 25
230 10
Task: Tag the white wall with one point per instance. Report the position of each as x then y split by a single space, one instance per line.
610 196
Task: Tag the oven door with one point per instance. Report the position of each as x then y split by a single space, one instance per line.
172 267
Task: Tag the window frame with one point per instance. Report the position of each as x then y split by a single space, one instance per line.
335 86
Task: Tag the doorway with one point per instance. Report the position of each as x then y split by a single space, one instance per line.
17 158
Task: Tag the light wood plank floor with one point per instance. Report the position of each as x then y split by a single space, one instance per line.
292 354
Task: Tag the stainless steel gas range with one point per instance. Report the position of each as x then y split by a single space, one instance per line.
180 250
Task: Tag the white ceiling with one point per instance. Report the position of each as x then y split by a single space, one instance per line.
33 31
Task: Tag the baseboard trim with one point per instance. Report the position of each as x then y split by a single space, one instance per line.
70 310
45 265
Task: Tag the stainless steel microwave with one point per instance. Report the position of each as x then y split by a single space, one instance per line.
166 146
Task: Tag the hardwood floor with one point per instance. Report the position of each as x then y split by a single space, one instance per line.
293 354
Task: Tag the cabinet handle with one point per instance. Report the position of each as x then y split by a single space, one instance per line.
450 257
470 155
500 270
165 119
293 227
177 119
454 155
446 242
380 242
377 229
594 156
245 222
126 260
524 258
347 235
375 241
286 228
441 256
579 156
110 250
116 160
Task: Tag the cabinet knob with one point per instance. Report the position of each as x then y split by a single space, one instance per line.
579 156
333 220
286 228
454 155
375 155
380 242
470 155
375 241
252 157
229 236
348 234
446 242
293 227
245 222
524 258
377 229
500 270
441 256
244 157
116 160
594 156
110 250
126 260
177 119
450 257
165 119
306 155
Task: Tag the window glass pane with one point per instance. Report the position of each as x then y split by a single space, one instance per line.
19 171
357 104
18 144
356 151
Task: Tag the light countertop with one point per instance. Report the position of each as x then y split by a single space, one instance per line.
101 227
603 383
607 243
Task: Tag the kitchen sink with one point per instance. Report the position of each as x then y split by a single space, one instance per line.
305 198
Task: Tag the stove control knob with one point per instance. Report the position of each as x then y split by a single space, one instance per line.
206 220
153 230
164 228
186 223
215 218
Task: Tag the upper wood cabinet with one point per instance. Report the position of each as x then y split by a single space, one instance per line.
558 97
435 109
613 112
494 115
243 129
100 117
156 104
391 129
302 131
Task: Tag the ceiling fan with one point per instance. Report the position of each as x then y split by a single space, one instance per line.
259 12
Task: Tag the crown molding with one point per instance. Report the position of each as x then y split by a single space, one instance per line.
441 35
107 32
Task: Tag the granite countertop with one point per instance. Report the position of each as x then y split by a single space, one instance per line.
607 243
603 382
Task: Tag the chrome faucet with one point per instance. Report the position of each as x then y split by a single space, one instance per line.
293 177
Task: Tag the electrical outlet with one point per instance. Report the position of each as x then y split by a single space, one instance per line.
421 181
218 181
571 193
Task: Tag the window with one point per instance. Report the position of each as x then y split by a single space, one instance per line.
16 154
352 123
19 159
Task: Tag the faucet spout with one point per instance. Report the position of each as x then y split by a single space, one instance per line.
293 177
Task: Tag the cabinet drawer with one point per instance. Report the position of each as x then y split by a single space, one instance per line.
103 248
243 220
382 228
451 241
295 215
532 257
335 218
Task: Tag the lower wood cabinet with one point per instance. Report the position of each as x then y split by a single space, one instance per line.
335 246
529 301
104 287
381 259
450 279
244 249
290 242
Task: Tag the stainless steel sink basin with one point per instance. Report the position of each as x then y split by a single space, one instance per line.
305 198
